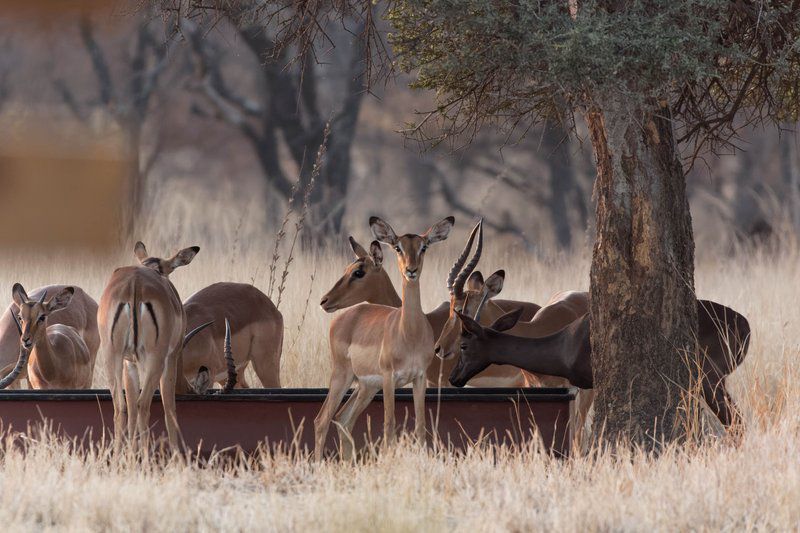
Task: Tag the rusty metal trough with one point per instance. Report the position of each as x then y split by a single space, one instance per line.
279 417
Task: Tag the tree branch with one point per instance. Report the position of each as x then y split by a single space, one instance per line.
99 64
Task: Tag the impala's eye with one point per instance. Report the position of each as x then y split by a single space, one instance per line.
423 249
19 317
359 274
397 249
42 317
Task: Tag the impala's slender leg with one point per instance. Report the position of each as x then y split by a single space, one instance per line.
168 384
341 379
241 379
131 382
349 414
720 401
419 408
268 365
114 372
388 408
151 372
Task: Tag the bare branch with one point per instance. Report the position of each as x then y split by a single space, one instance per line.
99 63
68 97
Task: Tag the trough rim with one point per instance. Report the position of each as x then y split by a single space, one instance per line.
449 394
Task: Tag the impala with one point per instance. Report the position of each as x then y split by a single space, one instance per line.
723 339
477 302
80 314
380 346
257 337
56 356
562 309
142 326
365 280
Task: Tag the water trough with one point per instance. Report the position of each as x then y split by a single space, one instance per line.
280 417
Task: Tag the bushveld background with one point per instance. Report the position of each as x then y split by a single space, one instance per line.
204 185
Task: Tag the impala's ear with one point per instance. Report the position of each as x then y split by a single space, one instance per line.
382 230
60 300
507 321
376 253
475 281
469 326
19 295
140 251
184 257
495 283
359 250
439 231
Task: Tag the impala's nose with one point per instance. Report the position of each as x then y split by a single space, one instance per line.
437 349
411 273
26 343
326 306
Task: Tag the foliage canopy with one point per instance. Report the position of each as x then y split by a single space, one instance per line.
720 64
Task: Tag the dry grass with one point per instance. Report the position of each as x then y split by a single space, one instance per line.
755 485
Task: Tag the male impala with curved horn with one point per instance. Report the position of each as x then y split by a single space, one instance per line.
257 337
723 337
380 346
55 356
476 301
365 280
142 326
80 314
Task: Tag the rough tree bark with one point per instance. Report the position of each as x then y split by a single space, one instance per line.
643 309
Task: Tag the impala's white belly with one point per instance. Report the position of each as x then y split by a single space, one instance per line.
401 379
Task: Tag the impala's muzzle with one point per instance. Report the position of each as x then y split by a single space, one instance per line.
437 350
459 377
412 274
26 343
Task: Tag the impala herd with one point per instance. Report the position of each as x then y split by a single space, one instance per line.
149 339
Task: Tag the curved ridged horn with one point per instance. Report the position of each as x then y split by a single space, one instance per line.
22 362
230 383
44 295
481 305
16 321
195 331
451 277
458 285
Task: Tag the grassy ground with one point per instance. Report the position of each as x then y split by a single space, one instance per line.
755 485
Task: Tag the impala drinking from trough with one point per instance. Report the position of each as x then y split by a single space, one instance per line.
142 324
723 337
365 280
257 333
382 347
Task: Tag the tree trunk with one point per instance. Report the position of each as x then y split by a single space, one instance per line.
643 310
555 148
791 175
136 185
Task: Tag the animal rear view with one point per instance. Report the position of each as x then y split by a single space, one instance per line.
257 336
142 323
